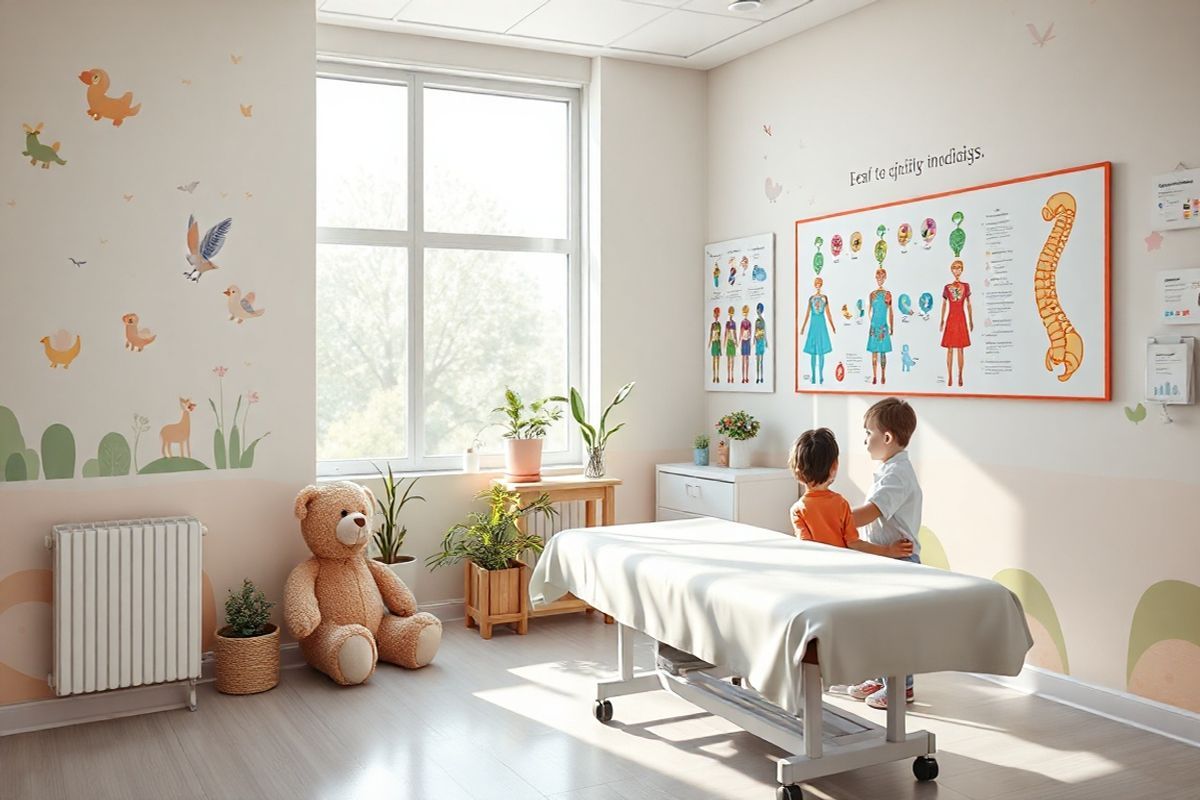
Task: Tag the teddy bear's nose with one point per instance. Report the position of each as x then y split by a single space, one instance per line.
360 521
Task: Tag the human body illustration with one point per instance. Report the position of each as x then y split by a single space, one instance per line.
818 343
732 271
879 335
928 231
731 334
906 360
957 321
716 275
818 262
958 237
760 342
714 345
1066 345
745 338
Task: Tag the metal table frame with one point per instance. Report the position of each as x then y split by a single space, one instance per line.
823 739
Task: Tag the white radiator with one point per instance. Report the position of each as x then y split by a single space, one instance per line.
571 514
126 604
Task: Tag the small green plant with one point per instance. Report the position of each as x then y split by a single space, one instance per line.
595 436
389 536
700 442
739 425
492 540
248 612
523 426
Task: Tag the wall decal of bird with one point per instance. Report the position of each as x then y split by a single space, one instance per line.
241 307
201 252
60 349
247 110
188 187
100 105
76 262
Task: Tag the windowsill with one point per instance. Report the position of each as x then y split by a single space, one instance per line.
556 469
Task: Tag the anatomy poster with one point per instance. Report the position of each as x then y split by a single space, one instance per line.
999 290
739 314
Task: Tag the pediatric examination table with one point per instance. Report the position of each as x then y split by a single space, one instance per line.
777 616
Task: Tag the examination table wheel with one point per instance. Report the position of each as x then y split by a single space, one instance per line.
925 768
603 710
789 792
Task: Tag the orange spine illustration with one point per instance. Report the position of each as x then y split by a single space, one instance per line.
1066 345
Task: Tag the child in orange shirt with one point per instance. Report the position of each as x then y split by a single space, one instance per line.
822 515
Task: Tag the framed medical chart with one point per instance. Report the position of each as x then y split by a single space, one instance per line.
999 290
739 314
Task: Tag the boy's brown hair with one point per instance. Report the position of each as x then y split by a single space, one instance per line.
893 415
813 456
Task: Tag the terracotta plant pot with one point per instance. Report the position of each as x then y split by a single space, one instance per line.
247 665
496 597
523 460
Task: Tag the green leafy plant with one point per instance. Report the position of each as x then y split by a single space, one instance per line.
700 442
113 457
527 426
248 612
492 539
739 425
389 536
235 450
595 436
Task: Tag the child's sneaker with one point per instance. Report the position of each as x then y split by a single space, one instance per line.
862 691
839 688
879 699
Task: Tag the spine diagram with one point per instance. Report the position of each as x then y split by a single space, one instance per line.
1066 345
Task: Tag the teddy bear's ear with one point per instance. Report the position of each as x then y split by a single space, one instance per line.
303 499
371 501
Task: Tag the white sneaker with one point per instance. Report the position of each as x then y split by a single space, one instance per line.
865 689
839 688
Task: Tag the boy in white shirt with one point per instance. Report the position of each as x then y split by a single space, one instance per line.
892 511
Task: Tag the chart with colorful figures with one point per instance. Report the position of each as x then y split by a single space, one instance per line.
1000 290
739 314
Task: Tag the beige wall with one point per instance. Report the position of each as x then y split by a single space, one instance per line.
115 204
1094 507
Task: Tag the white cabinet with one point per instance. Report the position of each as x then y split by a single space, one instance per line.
757 496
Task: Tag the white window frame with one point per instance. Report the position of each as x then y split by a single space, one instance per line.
415 239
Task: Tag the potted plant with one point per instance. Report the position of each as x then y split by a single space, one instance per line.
389 536
247 649
740 427
490 546
595 437
523 439
700 450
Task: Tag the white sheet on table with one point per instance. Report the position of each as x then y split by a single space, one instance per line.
751 600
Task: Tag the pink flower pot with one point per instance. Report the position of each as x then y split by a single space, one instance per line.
523 460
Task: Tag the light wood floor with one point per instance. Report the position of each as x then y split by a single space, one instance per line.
511 718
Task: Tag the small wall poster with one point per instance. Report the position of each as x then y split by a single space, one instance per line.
739 314
1177 200
1179 296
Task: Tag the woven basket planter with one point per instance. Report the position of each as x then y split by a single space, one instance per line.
247 666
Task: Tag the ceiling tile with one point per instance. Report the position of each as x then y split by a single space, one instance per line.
479 15
595 22
667 3
768 10
380 9
682 33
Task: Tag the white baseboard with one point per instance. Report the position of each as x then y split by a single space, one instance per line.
1148 715
77 709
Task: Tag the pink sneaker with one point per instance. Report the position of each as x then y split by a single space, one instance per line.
865 689
879 699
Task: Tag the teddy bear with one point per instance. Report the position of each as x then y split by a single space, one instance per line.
346 610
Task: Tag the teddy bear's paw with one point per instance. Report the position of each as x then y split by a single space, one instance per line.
356 659
428 641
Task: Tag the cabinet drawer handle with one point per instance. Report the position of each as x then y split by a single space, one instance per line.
692 486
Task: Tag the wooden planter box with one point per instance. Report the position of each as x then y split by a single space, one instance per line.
496 597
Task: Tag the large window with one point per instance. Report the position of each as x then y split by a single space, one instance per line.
448 263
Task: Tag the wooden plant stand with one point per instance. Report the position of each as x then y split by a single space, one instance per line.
563 489
496 597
